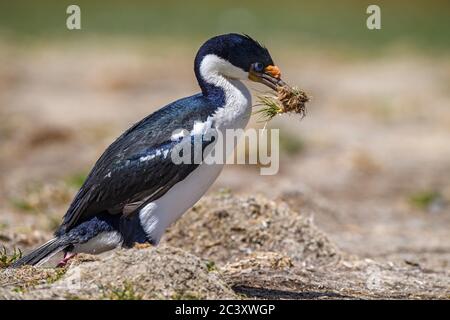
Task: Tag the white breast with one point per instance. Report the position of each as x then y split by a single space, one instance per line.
235 114
158 215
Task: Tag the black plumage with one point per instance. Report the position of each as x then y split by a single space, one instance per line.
120 178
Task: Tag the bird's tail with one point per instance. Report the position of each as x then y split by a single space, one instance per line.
41 254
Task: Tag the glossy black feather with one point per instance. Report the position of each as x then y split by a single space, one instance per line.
119 177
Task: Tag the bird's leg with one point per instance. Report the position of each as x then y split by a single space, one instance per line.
67 257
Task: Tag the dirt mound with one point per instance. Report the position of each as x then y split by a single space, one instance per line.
245 247
225 228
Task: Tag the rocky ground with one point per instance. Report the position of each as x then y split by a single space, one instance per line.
229 247
359 209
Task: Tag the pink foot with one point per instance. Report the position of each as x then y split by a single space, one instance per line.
67 257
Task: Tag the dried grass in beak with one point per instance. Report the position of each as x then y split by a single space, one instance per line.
287 100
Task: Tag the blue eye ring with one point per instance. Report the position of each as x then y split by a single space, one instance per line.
258 67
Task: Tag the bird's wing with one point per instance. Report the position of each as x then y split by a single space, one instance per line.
137 167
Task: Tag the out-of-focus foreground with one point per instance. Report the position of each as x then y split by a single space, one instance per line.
370 162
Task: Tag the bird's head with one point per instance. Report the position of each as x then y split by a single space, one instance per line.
236 56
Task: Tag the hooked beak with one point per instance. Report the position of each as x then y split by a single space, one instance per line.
271 77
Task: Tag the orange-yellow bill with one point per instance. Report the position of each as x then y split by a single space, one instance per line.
274 71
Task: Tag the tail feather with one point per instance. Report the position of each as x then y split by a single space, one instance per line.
42 253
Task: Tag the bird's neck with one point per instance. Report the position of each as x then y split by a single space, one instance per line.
231 96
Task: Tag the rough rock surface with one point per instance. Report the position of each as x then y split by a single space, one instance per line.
348 279
241 247
225 228
147 273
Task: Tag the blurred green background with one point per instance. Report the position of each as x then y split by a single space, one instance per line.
421 24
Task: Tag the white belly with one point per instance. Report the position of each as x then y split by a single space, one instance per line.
160 214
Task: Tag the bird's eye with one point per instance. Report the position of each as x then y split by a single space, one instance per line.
258 67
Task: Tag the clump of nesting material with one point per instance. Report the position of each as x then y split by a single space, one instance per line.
287 100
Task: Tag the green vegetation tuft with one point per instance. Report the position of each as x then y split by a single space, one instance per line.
6 259
424 199
59 273
186 295
211 266
76 180
22 205
125 292
290 143
270 108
